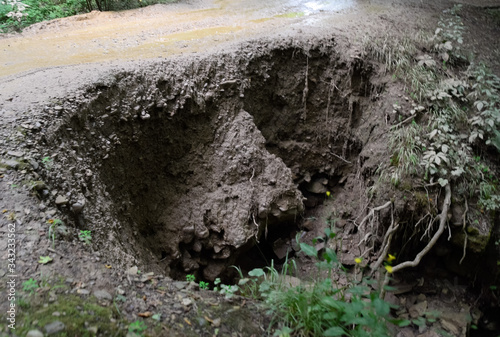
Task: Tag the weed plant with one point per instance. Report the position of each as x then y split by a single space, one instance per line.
322 307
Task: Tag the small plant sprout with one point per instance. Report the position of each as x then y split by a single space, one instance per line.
85 236
388 268
190 278
44 259
47 162
30 286
204 285
137 327
328 194
358 260
391 258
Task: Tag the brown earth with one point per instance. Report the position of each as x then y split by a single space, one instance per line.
181 135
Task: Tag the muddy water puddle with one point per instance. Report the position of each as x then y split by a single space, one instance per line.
155 31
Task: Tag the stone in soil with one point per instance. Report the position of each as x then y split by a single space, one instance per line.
54 327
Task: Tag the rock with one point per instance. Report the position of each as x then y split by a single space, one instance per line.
179 285
290 281
34 333
10 163
280 248
449 326
77 207
61 200
392 299
347 259
147 276
187 302
83 292
406 332
16 154
39 185
316 187
93 330
418 309
103 295
216 322
54 327
133 271
308 224
132 334
429 333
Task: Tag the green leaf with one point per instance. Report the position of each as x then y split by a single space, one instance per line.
401 323
334 331
308 250
329 233
443 182
44 259
257 272
243 281
156 317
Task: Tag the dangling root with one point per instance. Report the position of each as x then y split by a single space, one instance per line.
442 224
372 212
465 232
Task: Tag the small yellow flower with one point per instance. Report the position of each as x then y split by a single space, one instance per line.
389 269
358 260
328 194
391 258
51 221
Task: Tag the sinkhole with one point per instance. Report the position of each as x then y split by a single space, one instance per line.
193 165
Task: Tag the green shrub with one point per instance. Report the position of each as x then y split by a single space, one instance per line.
321 308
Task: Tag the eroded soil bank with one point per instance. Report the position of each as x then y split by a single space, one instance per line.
187 165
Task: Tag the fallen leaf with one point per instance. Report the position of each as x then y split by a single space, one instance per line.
5 211
145 314
108 266
208 319
187 321
44 259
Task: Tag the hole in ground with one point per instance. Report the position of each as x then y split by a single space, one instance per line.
184 167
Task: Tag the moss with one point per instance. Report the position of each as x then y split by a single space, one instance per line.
77 313
421 199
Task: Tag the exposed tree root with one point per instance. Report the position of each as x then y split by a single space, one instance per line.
305 93
443 217
465 232
386 243
372 212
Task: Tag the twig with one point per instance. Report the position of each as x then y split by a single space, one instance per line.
55 252
403 122
339 157
253 172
